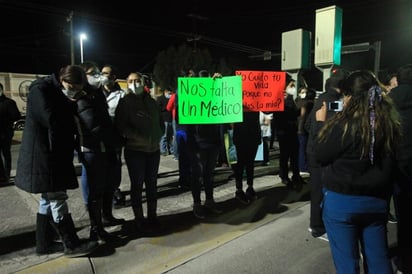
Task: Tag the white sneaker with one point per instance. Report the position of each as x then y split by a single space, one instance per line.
304 174
324 237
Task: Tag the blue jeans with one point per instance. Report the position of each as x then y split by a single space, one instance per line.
84 185
347 228
186 155
55 204
174 143
143 167
166 145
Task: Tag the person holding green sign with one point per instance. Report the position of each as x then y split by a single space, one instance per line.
208 140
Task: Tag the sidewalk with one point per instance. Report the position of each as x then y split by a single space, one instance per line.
18 212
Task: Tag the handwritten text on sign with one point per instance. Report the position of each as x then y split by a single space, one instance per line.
205 100
263 90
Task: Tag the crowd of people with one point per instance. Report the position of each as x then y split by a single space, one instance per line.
357 156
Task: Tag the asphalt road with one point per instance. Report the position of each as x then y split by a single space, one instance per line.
268 236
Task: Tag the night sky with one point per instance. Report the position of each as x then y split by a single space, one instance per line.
35 35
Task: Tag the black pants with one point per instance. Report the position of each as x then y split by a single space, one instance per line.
402 200
316 196
5 157
246 154
288 153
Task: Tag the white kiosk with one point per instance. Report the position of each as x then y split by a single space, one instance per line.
328 39
295 53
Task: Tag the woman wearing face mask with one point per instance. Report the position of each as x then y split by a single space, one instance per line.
286 125
304 103
45 162
97 148
140 123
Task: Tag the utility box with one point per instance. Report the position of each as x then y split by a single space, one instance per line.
295 50
328 36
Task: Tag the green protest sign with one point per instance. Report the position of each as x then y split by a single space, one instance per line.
209 101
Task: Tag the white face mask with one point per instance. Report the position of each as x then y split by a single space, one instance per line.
94 81
291 90
69 93
137 88
302 95
104 80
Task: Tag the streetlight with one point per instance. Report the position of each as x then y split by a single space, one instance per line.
82 37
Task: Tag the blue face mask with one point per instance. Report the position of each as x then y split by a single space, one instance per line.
168 96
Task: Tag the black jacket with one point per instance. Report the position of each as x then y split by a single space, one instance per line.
139 122
45 162
162 102
97 129
345 171
9 113
402 97
287 120
208 135
313 127
248 131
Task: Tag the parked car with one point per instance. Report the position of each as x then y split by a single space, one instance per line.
19 124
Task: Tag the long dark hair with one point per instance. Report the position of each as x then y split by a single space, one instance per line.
369 114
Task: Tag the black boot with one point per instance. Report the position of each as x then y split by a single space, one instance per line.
97 232
152 212
73 247
118 199
45 235
139 219
108 218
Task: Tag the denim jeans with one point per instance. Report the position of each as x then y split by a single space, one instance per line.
186 154
347 229
54 203
143 167
166 140
174 142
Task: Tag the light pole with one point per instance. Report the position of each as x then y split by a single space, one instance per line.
82 37
70 20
